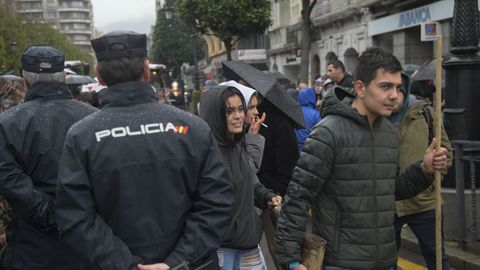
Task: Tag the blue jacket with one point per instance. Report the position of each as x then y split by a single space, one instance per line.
307 100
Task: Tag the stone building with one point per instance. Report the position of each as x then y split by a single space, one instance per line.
72 17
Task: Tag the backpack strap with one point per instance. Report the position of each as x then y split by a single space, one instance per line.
425 111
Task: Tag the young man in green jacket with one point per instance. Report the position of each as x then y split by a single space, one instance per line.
414 121
348 174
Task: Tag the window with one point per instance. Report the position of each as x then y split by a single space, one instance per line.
77 4
295 8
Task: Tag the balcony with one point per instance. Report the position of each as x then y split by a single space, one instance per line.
74 9
31 10
74 20
82 42
77 31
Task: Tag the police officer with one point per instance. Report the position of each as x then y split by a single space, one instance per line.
142 184
31 140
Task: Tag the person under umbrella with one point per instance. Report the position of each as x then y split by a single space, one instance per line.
223 108
255 142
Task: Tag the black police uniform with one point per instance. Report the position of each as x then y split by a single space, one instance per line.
31 140
142 182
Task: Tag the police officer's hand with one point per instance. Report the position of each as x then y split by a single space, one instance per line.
257 124
157 266
434 160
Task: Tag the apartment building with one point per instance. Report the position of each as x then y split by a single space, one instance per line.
72 17
8 5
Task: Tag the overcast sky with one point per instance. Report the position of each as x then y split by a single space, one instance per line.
134 15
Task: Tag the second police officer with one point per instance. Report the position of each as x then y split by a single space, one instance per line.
142 184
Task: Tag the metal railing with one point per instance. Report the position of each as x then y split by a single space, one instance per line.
461 148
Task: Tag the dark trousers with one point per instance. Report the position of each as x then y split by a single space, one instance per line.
423 226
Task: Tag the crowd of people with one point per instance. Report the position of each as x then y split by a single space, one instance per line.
138 184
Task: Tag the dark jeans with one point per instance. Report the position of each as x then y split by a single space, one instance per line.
423 226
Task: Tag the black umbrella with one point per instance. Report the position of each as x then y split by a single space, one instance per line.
267 86
279 76
427 72
78 79
410 68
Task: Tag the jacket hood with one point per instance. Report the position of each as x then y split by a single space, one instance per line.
338 101
398 117
212 112
247 92
307 97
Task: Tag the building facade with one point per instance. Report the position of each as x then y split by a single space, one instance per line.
8 5
72 17
343 29
399 32
283 47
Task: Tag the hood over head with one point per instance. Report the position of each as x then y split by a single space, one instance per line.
338 101
398 117
213 110
246 91
307 97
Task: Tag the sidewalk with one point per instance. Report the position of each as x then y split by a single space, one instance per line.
458 258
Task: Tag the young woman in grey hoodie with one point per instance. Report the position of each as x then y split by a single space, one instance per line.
223 108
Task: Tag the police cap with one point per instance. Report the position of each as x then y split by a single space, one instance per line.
120 44
42 59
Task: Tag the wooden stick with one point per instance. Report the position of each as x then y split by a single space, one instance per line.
438 137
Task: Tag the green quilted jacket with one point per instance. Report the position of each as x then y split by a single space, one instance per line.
348 174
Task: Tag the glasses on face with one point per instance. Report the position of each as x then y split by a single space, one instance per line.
232 110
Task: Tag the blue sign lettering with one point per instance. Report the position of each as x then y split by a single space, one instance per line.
415 17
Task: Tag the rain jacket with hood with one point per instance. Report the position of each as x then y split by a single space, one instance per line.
254 141
307 99
280 153
348 174
245 229
142 182
413 129
31 140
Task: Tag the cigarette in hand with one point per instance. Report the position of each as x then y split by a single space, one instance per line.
257 118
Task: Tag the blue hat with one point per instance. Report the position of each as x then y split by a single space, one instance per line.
120 44
42 59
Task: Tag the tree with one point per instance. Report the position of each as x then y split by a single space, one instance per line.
174 41
226 19
307 7
16 33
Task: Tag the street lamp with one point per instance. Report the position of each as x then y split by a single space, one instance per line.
168 13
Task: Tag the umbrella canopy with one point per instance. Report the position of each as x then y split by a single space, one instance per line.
410 68
78 79
266 85
279 76
427 72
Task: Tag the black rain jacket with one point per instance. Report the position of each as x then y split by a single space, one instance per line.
142 182
31 141
281 152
